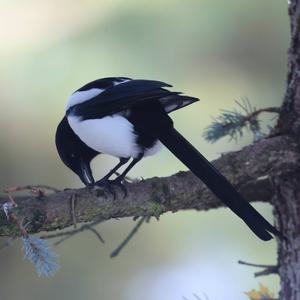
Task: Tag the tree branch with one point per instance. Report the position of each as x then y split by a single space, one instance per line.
286 198
289 121
250 170
267 269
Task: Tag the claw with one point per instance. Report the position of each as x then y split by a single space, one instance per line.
108 186
105 184
118 183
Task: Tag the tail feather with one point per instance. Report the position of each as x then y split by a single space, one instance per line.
217 183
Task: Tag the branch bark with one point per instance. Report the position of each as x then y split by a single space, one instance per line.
251 170
289 121
287 188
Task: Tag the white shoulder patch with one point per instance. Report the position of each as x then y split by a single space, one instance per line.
82 96
120 82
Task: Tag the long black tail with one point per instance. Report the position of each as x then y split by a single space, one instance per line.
217 183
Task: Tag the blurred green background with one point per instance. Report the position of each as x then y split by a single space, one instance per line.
217 51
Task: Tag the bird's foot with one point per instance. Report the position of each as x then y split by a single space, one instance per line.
109 186
119 183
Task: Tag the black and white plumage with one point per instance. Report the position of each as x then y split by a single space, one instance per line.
129 119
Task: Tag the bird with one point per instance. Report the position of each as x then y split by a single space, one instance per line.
129 119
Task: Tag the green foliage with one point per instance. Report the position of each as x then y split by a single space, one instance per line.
41 255
232 123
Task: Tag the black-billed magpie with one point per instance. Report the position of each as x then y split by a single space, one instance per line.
129 119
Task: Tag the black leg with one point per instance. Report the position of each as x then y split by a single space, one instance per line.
121 177
122 162
118 181
108 184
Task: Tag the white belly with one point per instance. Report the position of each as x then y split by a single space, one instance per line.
113 135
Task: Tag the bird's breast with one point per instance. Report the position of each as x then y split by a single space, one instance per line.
113 135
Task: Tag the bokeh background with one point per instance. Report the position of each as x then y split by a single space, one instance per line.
215 50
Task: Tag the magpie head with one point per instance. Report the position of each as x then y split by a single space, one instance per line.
74 153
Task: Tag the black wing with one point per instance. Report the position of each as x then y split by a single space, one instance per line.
128 94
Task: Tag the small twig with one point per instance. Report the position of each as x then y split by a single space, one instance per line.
7 208
10 215
129 237
232 122
34 189
73 200
20 188
64 239
46 187
206 297
70 233
255 113
97 234
241 262
12 201
58 234
19 222
268 269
